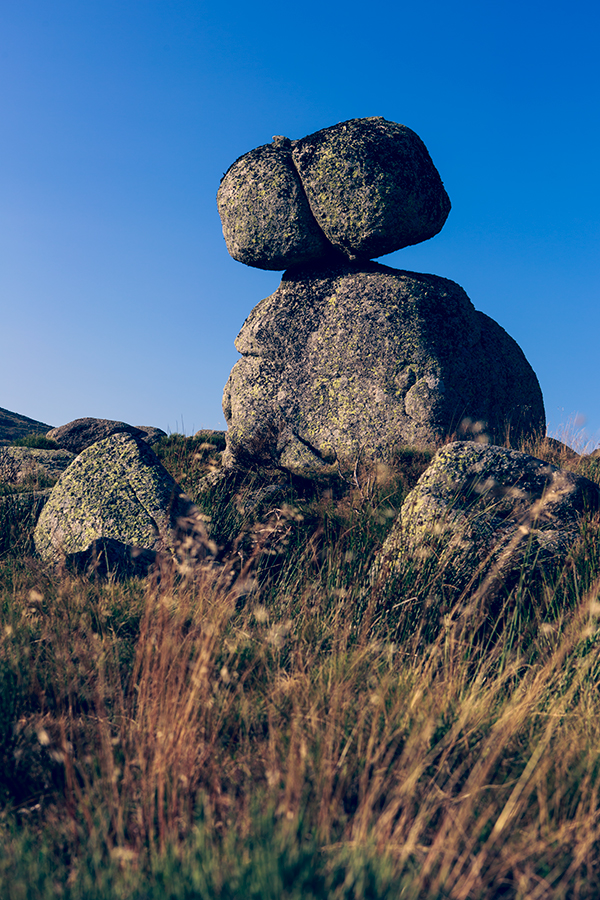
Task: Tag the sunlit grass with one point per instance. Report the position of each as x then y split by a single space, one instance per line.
270 723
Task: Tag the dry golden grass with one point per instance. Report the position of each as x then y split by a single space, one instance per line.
180 712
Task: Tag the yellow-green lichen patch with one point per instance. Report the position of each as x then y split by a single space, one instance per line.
266 218
352 359
371 185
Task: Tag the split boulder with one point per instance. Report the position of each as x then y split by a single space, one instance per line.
359 189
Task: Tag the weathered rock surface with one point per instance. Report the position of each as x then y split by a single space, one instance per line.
20 463
363 188
371 186
14 426
79 434
477 504
116 492
267 222
354 359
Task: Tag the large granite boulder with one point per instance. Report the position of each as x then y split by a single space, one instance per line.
360 189
267 222
79 434
479 505
352 360
115 492
371 186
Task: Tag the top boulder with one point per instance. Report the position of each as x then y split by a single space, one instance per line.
358 190
371 186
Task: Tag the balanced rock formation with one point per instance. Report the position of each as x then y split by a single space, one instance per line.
80 434
354 359
349 358
478 506
360 189
116 497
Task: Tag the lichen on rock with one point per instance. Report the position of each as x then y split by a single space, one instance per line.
267 222
354 359
116 490
479 506
371 186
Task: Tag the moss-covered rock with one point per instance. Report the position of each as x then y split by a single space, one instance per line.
267 222
371 186
352 360
478 504
116 491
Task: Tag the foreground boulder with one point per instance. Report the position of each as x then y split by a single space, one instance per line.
115 492
351 360
477 506
362 188
79 434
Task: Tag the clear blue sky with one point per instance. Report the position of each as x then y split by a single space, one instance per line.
118 118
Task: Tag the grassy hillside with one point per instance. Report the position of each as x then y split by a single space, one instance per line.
258 720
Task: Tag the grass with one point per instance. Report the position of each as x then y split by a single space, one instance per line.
265 724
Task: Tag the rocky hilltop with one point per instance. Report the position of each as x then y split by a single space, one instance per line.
14 426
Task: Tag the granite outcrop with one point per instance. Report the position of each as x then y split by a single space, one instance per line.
349 358
355 359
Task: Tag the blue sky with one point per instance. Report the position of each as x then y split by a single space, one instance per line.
118 118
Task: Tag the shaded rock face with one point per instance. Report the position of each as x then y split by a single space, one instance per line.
151 434
359 189
351 360
476 505
79 434
267 222
115 492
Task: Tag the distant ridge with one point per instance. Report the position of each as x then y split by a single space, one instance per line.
13 426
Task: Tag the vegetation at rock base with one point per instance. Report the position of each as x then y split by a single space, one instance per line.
257 719
36 442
